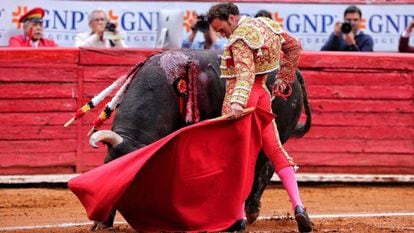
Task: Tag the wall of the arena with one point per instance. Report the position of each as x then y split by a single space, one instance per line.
362 104
363 113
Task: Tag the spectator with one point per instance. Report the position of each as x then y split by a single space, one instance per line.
33 31
263 13
347 36
211 41
103 34
404 46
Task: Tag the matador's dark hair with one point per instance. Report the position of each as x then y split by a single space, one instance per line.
222 11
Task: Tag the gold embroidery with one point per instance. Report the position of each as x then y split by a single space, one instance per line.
265 45
249 33
254 49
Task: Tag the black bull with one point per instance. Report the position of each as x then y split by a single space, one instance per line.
150 110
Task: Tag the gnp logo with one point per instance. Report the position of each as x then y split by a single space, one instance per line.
16 15
315 23
112 17
323 23
53 19
190 18
62 19
390 24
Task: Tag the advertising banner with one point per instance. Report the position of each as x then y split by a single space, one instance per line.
310 23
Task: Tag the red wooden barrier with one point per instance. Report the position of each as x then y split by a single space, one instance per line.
363 113
363 110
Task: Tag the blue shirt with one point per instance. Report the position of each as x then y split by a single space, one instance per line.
363 41
219 45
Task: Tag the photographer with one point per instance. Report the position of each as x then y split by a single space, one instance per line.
103 34
347 36
404 44
211 40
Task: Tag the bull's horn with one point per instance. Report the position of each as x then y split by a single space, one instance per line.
107 136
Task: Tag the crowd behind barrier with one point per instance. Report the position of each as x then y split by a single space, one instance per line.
310 22
347 35
362 103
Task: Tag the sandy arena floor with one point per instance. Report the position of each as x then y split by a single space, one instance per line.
333 208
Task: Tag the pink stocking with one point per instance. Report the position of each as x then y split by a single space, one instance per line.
288 177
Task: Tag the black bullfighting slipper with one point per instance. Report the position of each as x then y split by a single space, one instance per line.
239 225
303 220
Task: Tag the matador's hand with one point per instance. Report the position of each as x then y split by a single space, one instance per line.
236 110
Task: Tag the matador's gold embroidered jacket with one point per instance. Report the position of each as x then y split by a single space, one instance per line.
253 50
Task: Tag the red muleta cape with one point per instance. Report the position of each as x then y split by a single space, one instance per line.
195 179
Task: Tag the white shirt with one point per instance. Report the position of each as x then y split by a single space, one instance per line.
34 43
87 39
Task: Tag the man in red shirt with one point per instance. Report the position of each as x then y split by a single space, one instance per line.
33 31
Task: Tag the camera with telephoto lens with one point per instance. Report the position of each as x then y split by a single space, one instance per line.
110 27
202 24
346 27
